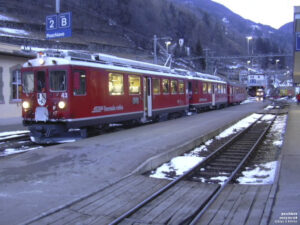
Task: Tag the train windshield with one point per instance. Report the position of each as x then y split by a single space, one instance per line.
41 81
28 82
58 81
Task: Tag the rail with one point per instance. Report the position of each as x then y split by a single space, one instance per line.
187 175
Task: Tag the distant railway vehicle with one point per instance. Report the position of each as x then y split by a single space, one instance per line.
63 92
260 94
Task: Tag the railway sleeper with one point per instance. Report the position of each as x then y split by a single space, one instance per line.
235 153
228 159
220 169
231 156
242 146
211 173
225 164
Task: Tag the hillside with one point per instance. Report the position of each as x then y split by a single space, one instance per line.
126 27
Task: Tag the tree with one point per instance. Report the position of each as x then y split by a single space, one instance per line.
199 52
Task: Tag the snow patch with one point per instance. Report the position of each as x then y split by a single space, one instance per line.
261 174
13 31
242 124
178 165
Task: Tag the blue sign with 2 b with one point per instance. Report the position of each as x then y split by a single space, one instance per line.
59 25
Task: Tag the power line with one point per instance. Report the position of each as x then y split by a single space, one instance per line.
237 56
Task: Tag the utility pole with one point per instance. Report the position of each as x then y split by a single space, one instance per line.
206 60
155 47
57 6
155 43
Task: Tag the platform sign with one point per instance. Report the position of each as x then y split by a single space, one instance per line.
59 25
297 41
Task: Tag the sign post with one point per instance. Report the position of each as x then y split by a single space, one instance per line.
59 25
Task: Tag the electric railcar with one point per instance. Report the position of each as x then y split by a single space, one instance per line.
64 92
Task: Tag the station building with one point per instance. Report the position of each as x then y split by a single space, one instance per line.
11 61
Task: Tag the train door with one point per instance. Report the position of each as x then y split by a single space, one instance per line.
79 93
213 97
147 84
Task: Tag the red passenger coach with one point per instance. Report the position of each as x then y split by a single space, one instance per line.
236 93
62 91
206 92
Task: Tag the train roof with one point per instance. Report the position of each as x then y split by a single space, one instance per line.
51 58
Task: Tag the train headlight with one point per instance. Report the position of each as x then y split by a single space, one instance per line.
41 61
61 105
26 105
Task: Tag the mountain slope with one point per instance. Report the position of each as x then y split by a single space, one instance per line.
128 26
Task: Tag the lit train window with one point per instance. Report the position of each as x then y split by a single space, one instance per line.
174 86
116 86
156 86
28 82
165 83
209 90
181 87
134 84
79 83
204 88
219 88
58 81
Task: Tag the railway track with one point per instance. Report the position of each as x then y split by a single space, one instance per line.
16 143
226 161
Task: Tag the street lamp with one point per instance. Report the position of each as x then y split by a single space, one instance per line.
167 45
248 40
155 43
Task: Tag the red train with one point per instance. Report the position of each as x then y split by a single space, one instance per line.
64 91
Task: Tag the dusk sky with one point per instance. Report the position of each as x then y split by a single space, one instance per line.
269 12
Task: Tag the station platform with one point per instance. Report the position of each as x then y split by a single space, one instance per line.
286 194
11 124
43 182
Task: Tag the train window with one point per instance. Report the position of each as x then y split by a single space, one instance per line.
58 81
209 90
116 86
181 87
156 86
79 83
165 83
134 84
204 88
174 86
41 81
219 88
28 82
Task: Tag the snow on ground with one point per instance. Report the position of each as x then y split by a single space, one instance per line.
13 31
249 100
242 124
7 18
11 151
262 174
181 164
7 133
265 173
177 165
269 107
